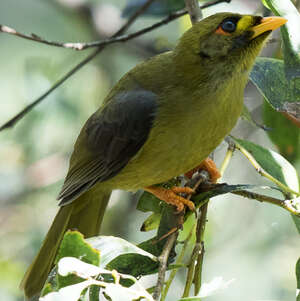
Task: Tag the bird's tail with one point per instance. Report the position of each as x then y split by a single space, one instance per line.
85 214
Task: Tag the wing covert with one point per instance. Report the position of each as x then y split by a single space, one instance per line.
109 139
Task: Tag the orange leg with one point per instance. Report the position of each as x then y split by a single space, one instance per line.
171 196
208 165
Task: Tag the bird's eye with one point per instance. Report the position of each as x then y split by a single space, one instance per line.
228 26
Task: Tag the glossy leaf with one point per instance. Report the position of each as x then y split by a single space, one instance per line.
111 247
284 134
149 203
273 163
290 34
283 95
151 223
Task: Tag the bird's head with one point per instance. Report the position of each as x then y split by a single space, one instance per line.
228 40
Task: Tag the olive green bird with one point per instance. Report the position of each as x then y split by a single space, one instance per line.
163 118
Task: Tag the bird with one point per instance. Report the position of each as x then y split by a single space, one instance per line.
163 118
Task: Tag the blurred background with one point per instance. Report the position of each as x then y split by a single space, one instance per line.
254 246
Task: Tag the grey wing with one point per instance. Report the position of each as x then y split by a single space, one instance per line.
109 139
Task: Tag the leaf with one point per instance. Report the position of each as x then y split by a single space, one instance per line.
72 265
111 247
149 202
273 163
151 223
70 293
72 245
211 288
283 134
118 254
296 220
290 35
282 94
219 189
246 115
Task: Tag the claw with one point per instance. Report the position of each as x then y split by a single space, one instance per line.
171 196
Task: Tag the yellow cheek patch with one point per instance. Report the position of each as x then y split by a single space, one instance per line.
244 23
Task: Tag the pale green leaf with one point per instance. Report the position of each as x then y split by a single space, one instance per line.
111 247
290 34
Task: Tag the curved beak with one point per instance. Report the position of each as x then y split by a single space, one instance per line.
267 24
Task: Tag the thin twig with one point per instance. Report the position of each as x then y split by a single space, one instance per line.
198 248
178 262
163 261
194 10
101 44
79 46
261 171
228 156
200 239
289 205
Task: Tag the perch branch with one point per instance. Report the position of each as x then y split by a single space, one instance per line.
192 6
289 205
163 261
259 169
178 262
79 46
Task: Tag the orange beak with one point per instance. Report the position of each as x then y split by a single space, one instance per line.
267 24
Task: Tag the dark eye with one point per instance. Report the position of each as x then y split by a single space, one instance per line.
229 25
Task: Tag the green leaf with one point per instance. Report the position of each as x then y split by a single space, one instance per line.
246 115
74 245
219 189
296 220
282 94
264 2
283 134
133 264
149 203
118 254
273 163
290 34
112 247
151 223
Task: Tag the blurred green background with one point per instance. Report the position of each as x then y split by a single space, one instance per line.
254 244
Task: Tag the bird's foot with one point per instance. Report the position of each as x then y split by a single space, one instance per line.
208 165
171 196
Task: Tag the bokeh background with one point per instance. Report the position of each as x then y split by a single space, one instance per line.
254 246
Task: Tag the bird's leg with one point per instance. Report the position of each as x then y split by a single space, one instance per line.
171 196
208 165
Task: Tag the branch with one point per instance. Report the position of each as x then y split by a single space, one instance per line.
289 205
195 266
101 44
115 39
194 10
259 169
178 262
163 261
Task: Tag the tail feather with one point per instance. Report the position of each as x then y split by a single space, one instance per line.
84 214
